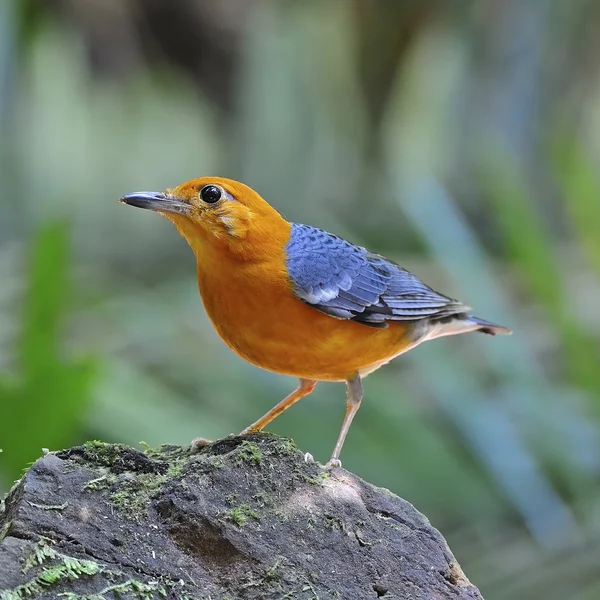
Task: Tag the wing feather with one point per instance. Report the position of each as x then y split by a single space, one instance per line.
348 282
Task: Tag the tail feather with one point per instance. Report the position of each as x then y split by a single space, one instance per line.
487 327
460 323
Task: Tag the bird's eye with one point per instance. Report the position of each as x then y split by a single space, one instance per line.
210 194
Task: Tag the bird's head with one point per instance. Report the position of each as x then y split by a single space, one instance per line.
215 211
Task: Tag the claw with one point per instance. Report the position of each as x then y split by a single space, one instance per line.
198 443
308 457
332 463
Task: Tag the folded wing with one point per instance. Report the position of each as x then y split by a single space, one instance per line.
348 282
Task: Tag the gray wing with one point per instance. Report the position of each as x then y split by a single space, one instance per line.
348 282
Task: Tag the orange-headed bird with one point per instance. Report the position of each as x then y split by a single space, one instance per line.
298 300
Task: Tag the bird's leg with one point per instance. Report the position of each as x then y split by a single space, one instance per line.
306 387
354 397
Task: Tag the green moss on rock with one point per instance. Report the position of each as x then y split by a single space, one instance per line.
241 514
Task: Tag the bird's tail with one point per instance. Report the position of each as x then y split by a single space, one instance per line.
477 324
461 323
487 327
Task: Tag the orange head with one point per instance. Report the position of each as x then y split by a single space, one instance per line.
218 213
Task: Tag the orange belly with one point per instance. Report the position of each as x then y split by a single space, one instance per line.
256 314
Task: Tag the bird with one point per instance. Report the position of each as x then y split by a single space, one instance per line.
300 301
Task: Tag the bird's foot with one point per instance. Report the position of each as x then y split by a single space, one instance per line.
332 463
198 443
248 430
308 457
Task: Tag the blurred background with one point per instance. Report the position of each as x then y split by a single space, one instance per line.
460 138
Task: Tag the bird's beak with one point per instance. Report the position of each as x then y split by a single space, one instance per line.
157 201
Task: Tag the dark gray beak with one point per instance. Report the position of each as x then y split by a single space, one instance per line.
156 201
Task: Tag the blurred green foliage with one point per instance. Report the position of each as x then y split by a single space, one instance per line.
48 396
459 138
533 253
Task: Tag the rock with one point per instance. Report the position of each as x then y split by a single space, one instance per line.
245 517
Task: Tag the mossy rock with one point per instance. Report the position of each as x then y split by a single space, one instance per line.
245 517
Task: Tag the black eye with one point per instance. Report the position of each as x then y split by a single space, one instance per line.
210 194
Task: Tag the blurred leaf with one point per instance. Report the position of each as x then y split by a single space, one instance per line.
44 404
580 186
534 254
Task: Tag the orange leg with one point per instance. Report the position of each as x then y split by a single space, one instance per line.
306 387
354 397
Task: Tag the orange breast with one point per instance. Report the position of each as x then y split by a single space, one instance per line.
256 314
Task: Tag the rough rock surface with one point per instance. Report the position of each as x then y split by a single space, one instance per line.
245 517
